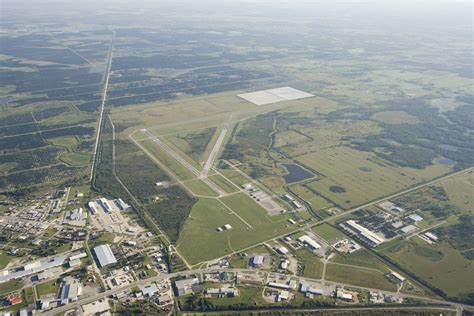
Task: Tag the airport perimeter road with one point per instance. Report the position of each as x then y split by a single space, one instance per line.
185 163
102 106
215 150
90 299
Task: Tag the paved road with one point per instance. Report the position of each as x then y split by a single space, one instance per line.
102 106
87 300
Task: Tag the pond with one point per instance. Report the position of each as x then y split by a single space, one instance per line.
337 189
296 173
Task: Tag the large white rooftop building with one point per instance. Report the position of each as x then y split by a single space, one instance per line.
104 255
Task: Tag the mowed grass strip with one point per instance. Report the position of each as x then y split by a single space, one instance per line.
172 164
198 187
224 184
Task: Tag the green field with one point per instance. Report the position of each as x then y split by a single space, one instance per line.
224 184
76 159
50 287
439 264
172 164
200 239
4 259
67 142
361 258
198 187
359 277
312 265
329 233
362 176
10 286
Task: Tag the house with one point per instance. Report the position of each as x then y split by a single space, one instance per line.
13 298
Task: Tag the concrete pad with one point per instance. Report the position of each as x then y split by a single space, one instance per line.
289 93
261 97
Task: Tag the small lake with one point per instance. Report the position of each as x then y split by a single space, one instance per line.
296 173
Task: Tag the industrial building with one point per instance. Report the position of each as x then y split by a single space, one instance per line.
366 235
31 268
104 255
257 261
185 286
310 242
70 291
222 292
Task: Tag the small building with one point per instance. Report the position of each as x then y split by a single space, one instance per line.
104 254
227 226
78 256
343 295
185 286
296 204
222 292
13 298
397 276
74 263
408 229
291 221
414 218
149 290
307 287
283 296
278 285
431 236
130 243
282 250
92 207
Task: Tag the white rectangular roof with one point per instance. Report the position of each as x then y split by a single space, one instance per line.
104 255
263 97
309 241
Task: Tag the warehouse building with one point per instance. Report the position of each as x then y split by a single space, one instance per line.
104 255
305 239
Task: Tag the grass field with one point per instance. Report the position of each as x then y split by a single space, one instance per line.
361 258
66 142
4 259
361 176
10 286
172 164
313 267
224 184
460 191
359 277
200 240
75 159
235 176
198 187
439 264
50 287
329 233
